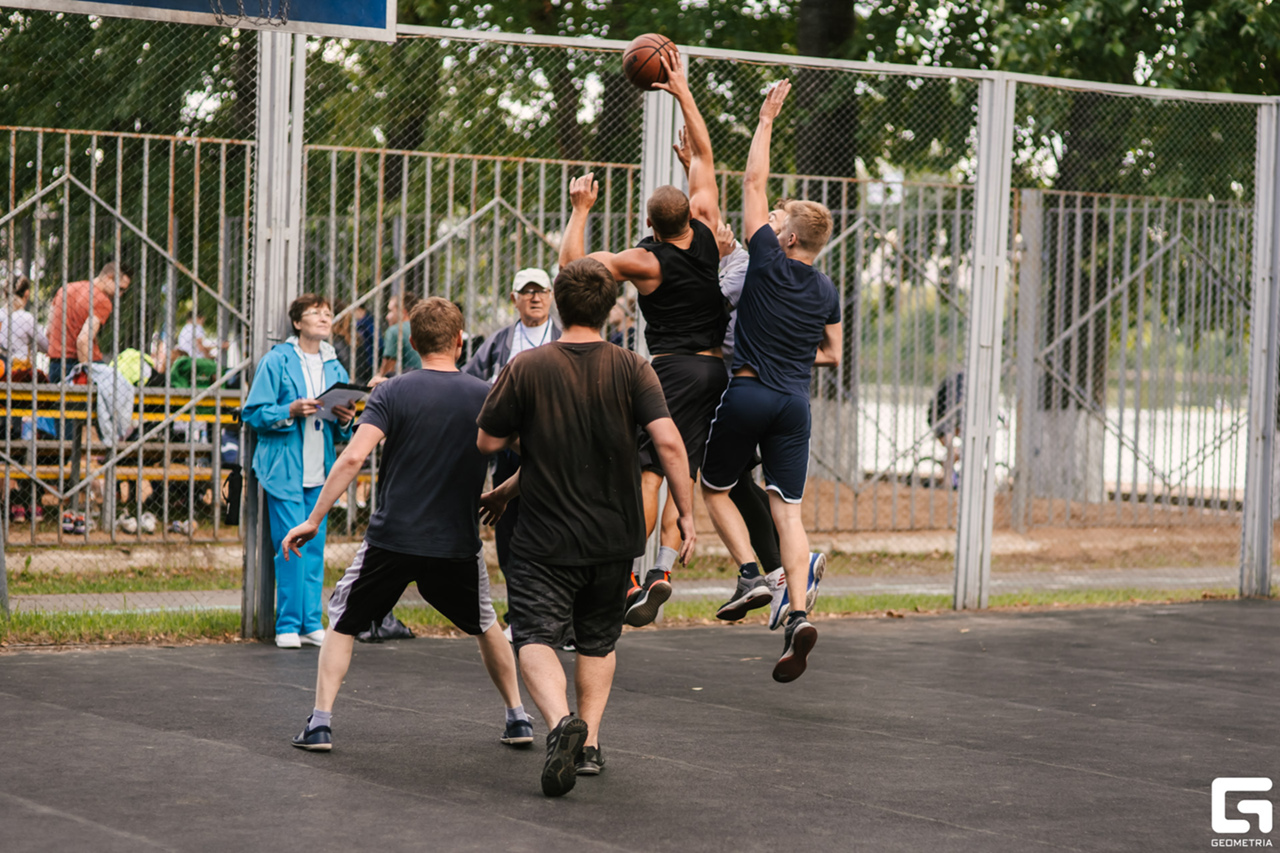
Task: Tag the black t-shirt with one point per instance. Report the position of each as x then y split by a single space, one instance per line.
687 312
576 408
783 313
430 474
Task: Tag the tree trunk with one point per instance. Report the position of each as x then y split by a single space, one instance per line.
826 131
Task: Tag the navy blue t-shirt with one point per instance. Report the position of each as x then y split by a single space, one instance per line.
782 315
430 473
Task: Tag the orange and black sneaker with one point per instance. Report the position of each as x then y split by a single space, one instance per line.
634 593
643 608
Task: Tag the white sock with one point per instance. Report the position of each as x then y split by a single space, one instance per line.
666 559
516 713
319 718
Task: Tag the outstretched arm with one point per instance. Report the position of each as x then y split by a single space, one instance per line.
755 199
634 265
704 196
340 476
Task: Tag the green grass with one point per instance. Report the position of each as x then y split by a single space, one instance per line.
26 582
42 628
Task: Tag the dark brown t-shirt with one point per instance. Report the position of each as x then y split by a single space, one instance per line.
576 408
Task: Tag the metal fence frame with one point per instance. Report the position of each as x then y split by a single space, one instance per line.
278 232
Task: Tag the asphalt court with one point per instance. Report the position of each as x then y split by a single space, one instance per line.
1070 729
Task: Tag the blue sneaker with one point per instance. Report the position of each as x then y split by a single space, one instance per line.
518 733
781 603
319 739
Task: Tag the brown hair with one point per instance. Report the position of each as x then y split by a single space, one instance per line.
303 303
668 211
19 286
434 324
585 292
810 222
111 268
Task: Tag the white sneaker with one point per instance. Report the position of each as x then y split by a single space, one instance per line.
127 523
288 641
314 638
777 580
147 521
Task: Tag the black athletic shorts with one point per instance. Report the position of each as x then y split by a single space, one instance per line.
545 602
377 578
692 385
753 415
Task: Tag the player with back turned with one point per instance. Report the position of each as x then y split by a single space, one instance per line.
676 272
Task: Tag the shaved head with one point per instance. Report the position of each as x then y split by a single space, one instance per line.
668 211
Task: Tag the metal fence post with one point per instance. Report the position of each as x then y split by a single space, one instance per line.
658 167
996 101
1030 270
1264 356
275 231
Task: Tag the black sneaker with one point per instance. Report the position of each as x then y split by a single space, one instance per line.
643 608
800 638
518 733
564 749
591 762
748 595
319 739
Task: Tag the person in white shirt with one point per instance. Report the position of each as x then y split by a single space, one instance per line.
20 335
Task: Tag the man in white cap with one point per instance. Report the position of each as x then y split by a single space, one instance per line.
531 293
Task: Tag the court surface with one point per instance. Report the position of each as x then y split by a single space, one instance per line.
1074 729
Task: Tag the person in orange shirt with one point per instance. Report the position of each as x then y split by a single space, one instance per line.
73 329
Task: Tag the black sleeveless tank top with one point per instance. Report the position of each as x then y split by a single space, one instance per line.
687 312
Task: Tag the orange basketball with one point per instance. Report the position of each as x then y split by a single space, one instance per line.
641 61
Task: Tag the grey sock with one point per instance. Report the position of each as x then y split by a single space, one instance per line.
636 565
666 559
516 713
319 718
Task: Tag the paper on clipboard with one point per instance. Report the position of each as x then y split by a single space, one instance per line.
339 394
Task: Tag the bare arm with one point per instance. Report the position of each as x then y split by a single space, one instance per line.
704 195
755 199
84 340
492 444
494 503
675 459
340 476
829 350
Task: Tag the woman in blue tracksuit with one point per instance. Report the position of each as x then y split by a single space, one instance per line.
294 454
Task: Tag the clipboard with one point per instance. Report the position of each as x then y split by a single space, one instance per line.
339 394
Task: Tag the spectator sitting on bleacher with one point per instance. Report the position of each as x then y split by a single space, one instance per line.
20 335
77 343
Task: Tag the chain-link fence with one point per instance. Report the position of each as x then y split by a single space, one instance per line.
440 166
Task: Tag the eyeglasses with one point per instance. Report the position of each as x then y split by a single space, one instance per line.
323 315
527 293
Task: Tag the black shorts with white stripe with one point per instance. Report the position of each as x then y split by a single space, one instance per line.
458 588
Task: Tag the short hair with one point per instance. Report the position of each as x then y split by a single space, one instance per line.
434 324
585 292
668 211
113 267
303 303
811 223
408 299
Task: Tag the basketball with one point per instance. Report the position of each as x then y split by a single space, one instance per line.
641 61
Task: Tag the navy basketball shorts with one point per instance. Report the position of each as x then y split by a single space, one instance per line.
458 588
545 601
692 385
752 414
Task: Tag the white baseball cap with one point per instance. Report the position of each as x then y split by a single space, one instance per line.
533 275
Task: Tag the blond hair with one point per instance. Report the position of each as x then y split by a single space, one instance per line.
810 222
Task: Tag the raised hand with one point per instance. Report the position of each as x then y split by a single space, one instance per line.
724 239
677 84
773 101
682 150
583 191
